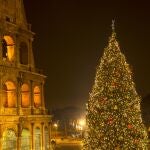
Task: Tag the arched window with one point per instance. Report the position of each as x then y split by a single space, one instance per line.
37 97
23 53
25 95
4 48
25 139
9 93
9 140
4 97
8 48
37 137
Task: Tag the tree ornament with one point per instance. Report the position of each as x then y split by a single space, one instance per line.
120 138
103 100
115 108
129 126
114 84
110 120
117 148
136 141
125 114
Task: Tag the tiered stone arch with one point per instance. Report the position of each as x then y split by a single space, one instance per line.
26 139
8 48
25 95
21 84
37 138
37 96
24 54
9 94
9 139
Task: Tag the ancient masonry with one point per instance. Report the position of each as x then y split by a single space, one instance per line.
24 121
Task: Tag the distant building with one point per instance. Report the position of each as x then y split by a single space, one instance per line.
24 121
70 124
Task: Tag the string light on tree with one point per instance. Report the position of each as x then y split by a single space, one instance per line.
113 110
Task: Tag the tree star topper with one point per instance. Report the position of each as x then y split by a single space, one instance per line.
113 25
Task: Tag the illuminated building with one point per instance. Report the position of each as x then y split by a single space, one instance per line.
24 121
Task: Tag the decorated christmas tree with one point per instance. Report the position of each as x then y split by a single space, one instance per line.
113 110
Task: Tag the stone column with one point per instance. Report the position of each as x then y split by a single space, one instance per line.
31 97
19 137
50 133
32 136
42 98
1 101
31 56
18 91
1 135
1 37
2 73
42 137
16 47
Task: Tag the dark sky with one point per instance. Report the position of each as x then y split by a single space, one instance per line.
70 39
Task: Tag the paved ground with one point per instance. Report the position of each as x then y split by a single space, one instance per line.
67 144
68 147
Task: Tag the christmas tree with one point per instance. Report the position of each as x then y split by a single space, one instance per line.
113 111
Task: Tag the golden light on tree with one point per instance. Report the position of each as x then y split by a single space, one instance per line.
113 110
9 93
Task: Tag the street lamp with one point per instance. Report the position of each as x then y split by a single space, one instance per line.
55 126
82 124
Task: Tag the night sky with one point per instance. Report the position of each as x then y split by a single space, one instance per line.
71 36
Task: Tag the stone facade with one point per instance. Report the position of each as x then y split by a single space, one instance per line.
24 120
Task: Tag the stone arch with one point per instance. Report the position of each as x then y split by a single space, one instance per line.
37 96
37 136
25 139
9 93
4 97
4 48
9 140
23 53
8 48
25 95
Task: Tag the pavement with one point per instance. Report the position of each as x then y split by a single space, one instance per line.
68 147
68 144
69 141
